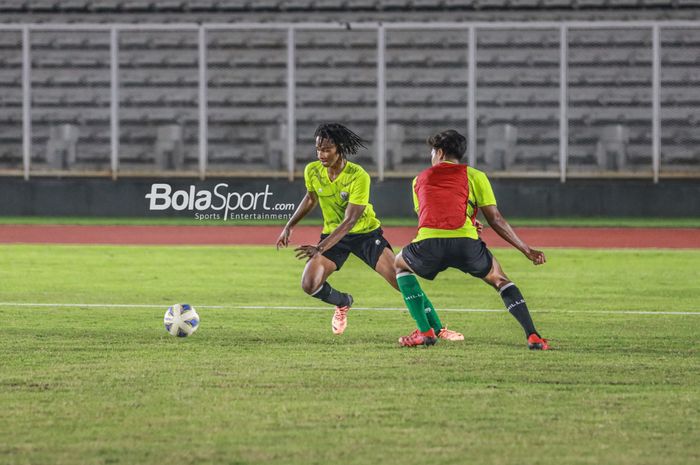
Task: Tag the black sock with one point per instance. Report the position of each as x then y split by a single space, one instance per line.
515 303
332 296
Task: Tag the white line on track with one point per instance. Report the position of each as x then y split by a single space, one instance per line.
388 309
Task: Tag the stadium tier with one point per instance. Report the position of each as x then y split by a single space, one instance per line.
517 92
265 10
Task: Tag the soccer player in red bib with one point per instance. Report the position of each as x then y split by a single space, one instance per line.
447 197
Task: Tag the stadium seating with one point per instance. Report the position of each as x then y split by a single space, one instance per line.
501 140
611 148
61 146
10 141
517 81
336 6
680 102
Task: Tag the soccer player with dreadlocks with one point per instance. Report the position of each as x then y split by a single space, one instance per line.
341 188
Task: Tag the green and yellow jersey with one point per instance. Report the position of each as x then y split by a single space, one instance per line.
480 195
351 186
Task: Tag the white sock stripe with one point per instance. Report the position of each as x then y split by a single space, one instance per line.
403 273
500 291
318 290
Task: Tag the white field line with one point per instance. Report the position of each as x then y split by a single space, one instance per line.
388 309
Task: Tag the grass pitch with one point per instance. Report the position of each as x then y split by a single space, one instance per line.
106 384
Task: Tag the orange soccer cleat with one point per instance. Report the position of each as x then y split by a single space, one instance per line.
535 342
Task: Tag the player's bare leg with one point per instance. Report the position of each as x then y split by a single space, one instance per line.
401 265
313 281
496 277
316 272
515 304
385 267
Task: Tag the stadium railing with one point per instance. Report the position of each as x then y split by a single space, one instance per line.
241 98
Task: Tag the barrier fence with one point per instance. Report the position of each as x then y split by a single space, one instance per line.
535 99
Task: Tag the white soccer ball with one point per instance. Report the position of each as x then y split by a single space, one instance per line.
181 320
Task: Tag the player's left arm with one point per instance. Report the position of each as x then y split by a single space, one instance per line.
416 206
486 199
504 229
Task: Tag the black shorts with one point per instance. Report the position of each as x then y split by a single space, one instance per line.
431 256
368 247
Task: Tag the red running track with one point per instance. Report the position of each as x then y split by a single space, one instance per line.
666 238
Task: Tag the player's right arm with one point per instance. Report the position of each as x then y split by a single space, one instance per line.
307 204
503 229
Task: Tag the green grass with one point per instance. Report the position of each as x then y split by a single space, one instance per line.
555 222
103 385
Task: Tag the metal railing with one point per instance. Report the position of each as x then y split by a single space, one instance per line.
381 29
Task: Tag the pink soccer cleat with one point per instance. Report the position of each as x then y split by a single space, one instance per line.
340 318
450 335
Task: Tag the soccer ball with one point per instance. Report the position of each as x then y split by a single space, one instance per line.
181 320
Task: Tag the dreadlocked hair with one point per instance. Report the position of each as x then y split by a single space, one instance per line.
346 141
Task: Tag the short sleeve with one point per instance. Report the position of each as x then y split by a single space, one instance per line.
359 191
483 192
307 178
415 196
